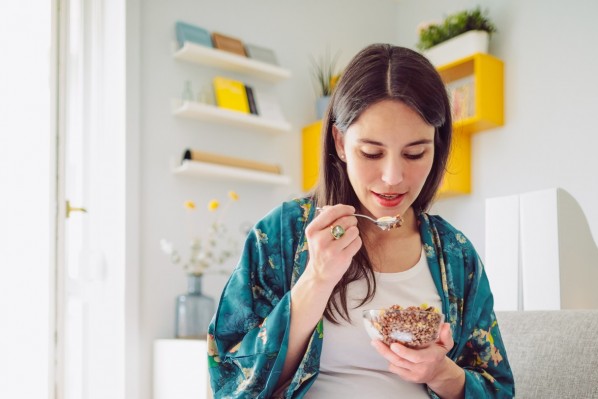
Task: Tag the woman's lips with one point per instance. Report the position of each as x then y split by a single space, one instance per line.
389 200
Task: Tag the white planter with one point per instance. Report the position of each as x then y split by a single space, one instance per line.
468 43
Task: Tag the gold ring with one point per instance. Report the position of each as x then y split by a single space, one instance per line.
337 232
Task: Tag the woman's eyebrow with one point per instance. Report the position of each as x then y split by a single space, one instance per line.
378 143
420 142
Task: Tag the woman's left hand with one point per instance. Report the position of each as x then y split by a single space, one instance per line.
419 365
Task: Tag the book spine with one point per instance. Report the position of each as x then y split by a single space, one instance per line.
251 100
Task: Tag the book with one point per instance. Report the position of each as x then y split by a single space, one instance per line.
261 54
228 43
462 96
251 100
231 94
208 157
191 33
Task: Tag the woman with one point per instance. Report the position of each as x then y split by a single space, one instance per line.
289 320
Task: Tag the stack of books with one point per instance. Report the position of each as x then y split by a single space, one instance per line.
186 32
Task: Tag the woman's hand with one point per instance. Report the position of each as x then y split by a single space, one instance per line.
428 365
330 257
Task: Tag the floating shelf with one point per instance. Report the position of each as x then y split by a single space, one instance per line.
193 168
211 113
487 95
203 55
485 74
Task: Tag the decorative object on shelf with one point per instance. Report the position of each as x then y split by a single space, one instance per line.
326 75
193 309
261 53
228 43
202 156
206 95
459 35
462 96
187 94
191 33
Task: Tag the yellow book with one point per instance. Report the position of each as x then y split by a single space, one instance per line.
231 94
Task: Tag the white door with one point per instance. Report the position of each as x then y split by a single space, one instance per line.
91 221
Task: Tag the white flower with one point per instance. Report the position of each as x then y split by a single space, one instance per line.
166 246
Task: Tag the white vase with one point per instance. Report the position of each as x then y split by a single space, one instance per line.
468 43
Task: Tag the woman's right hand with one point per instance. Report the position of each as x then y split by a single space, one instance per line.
329 258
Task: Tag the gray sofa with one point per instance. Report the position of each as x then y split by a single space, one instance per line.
553 354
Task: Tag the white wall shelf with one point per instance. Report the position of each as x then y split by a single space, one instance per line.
211 113
203 55
203 169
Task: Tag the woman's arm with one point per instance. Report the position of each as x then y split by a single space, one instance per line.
329 260
257 338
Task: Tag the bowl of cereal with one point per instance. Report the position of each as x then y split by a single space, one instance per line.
412 326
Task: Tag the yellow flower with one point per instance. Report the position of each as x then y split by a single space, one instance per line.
190 205
233 195
213 205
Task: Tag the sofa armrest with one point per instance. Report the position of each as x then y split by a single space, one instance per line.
553 354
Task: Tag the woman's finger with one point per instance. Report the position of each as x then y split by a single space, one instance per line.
330 214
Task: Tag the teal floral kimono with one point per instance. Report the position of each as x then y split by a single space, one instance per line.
248 337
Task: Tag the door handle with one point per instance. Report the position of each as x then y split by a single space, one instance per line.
70 209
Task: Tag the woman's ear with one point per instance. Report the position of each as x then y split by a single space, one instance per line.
339 142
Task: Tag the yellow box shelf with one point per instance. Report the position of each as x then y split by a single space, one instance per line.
457 179
311 148
486 74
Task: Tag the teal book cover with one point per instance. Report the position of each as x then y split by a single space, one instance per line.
191 33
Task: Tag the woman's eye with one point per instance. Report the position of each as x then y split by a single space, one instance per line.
371 156
414 156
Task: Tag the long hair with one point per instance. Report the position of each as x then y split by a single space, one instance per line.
379 72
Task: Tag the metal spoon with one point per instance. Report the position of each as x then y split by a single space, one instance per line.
385 222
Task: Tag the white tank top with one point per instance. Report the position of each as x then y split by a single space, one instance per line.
349 366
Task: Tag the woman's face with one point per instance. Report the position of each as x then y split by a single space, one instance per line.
389 152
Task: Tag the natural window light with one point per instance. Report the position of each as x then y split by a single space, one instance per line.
27 182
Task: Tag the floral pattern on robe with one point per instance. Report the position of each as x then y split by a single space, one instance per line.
248 336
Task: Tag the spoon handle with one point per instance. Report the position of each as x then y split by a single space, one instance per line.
319 209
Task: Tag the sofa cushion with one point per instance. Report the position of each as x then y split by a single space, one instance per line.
553 354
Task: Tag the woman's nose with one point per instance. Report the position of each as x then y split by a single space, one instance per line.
392 173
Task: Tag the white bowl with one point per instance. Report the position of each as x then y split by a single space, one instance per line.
414 327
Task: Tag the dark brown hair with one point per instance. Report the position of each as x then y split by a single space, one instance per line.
379 72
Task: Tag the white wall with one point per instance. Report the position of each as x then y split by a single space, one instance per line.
296 30
550 134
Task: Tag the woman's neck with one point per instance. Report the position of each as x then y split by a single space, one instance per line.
394 250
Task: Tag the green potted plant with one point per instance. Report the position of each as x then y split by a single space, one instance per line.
459 35
325 75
